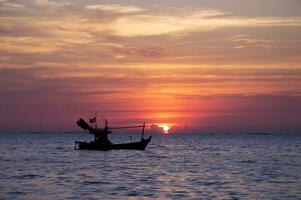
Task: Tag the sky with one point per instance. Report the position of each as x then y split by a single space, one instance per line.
197 65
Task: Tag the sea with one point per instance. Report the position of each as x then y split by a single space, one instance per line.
173 166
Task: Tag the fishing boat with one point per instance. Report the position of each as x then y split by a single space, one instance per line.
101 140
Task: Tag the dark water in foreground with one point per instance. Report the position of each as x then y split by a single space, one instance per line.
45 166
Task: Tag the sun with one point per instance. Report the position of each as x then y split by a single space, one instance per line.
165 128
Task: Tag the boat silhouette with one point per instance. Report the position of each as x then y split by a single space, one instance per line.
101 140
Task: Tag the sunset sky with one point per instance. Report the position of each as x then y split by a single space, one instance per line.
195 65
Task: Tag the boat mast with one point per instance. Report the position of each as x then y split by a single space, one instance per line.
142 134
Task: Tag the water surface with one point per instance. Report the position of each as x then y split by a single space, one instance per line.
46 166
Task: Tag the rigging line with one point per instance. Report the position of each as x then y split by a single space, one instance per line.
125 127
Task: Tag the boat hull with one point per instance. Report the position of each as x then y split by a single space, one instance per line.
141 145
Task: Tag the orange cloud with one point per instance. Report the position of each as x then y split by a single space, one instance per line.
115 8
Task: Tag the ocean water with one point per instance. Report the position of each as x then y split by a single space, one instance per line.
203 166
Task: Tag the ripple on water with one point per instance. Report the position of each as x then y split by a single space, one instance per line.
27 176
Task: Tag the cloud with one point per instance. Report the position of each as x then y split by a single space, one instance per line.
28 45
244 41
8 6
142 94
116 8
132 50
183 84
155 129
82 38
150 25
50 3
133 23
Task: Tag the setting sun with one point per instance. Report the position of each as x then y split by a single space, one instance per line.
165 128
